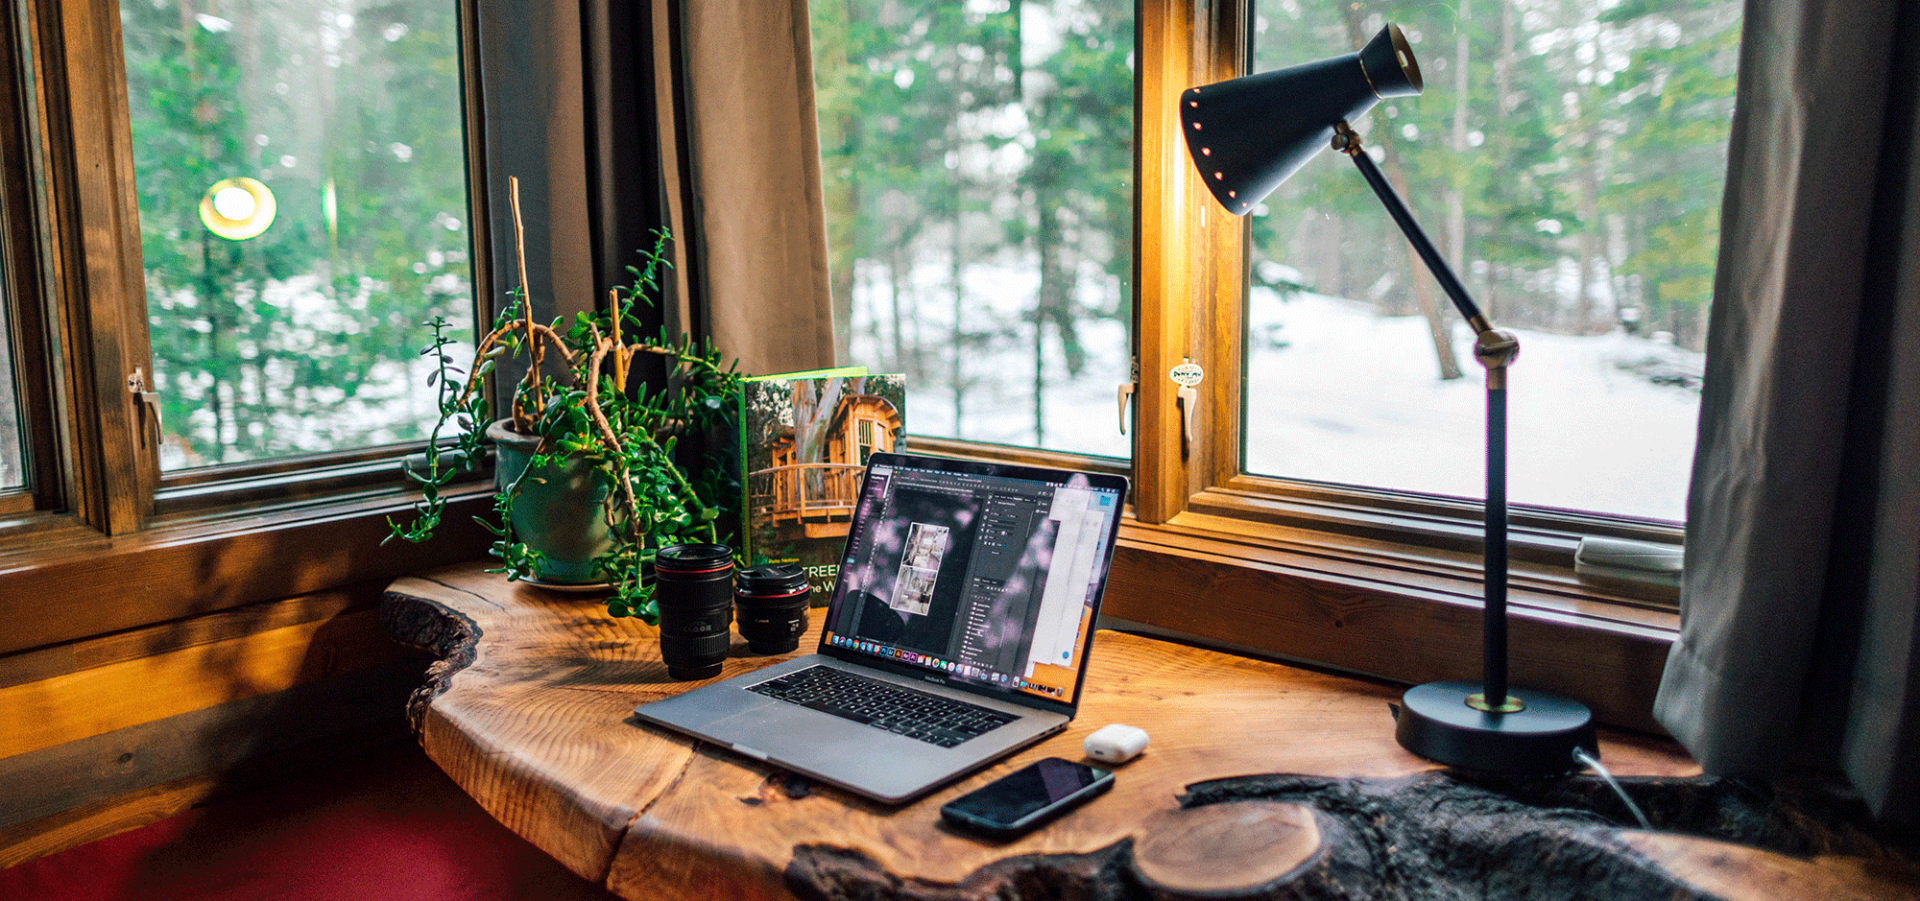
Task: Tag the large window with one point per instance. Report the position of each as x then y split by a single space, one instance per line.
1315 491
226 228
303 213
1568 156
978 159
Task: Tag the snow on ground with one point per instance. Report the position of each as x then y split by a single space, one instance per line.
1337 393
1356 398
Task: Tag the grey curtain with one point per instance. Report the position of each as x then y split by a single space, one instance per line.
619 118
1799 636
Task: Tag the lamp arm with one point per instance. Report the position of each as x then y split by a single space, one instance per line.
1347 142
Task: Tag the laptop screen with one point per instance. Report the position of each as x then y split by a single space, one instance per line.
986 575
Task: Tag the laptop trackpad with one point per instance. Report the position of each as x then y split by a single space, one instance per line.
781 731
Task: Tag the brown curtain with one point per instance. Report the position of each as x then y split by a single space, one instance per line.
737 85
620 118
1799 640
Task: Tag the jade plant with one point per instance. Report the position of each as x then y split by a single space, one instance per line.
580 397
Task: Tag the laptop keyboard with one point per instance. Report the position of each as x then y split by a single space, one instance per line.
883 705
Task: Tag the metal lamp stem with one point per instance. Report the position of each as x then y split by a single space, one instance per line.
1495 350
1347 142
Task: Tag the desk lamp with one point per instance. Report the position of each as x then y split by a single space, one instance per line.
1246 136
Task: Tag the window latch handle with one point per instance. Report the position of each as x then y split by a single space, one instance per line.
1187 375
1188 399
149 405
1126 395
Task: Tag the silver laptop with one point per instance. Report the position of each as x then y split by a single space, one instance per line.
957 633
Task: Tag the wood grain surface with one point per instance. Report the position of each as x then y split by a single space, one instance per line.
537 725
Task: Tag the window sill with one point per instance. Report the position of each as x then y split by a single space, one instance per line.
1541 543
286 483
1350 599
1390 610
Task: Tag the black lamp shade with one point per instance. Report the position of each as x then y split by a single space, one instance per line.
1249 134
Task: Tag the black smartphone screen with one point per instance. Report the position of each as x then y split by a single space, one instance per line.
1028 795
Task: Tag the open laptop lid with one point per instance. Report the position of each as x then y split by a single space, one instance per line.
983 576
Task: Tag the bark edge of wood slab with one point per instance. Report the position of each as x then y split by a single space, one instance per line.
449 635
1435 835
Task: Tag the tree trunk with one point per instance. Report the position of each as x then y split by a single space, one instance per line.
842 190
1456 203
956 375
894 278
1053 294
1039 381
1590 233
12 473
1418 277
1503 84
1503 70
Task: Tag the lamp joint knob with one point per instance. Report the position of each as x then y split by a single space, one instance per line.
1345 139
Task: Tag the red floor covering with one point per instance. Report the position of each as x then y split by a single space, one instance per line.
389 827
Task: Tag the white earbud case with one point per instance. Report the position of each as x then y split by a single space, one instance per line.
1116 743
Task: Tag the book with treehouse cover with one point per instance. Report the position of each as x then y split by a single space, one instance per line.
805 440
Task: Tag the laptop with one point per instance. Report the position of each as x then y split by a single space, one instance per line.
957 632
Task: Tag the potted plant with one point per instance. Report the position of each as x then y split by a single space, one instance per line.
588 468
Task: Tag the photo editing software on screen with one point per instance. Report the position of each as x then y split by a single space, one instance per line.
983 578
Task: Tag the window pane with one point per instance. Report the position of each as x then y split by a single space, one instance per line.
339 119
979 163
13 469
1567 157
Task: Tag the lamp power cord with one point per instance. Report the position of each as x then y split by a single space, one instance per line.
1581 757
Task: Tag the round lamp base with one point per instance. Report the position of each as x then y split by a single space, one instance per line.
1445 722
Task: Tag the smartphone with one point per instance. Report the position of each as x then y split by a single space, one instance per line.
1025 798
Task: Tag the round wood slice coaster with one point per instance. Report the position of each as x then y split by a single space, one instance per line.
1222 850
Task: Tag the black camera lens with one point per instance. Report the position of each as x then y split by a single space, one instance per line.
772 600
693 588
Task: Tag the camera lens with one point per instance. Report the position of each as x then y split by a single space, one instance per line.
772 599
696 606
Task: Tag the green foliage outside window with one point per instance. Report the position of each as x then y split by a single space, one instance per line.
304 338
1572 172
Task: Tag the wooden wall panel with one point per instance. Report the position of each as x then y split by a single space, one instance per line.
106 698
64 659
341 712
111 732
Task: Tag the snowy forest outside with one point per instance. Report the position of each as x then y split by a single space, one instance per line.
1567 155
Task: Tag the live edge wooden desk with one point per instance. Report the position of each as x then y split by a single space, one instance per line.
529 710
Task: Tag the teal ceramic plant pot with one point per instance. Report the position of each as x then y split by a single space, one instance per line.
558 510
